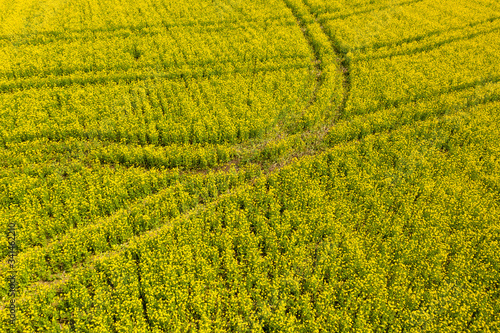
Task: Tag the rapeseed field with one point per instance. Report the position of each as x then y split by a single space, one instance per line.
250 166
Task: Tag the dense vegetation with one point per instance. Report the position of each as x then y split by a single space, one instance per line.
250 166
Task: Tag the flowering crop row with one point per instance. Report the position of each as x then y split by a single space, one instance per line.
153 48
454 66
394 24
229 108
310 247
127 73
394 117
47 199
417 50
99 99
75 244
29 17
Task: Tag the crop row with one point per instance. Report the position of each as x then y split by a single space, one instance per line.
29 17
393 227
345 8
390 81
428 42
102 233
161 48
453 135
70 195
229 108
36 158
415 20
309 247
